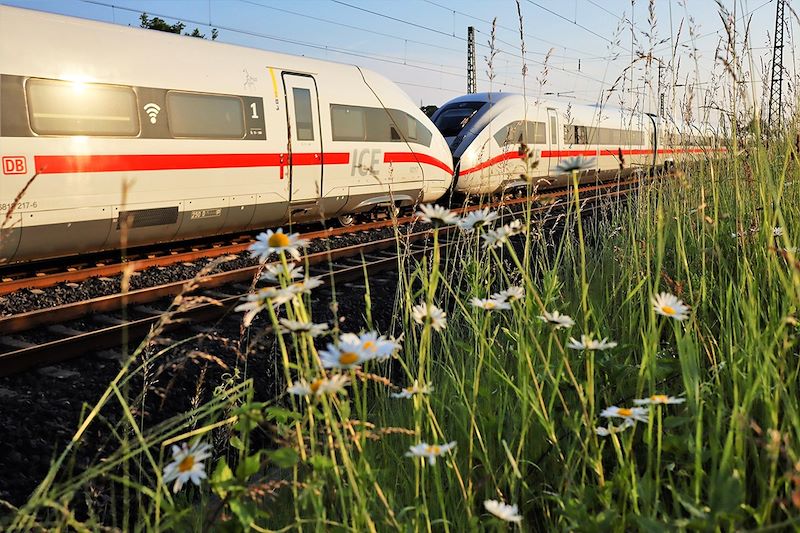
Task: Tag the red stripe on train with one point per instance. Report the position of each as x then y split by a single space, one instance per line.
412 157
586 153
61 164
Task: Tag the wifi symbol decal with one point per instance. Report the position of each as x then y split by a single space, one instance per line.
152 111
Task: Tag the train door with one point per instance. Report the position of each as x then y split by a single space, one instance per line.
305 141
554 140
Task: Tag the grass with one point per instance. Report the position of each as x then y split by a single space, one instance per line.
521 406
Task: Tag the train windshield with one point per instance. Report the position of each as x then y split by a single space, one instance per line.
453 118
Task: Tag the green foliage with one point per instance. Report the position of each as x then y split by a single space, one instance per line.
523 408
159 24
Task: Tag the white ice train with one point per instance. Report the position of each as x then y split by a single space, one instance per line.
109 131
104 126
485 132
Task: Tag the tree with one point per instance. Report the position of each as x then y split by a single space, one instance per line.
429 109
156 23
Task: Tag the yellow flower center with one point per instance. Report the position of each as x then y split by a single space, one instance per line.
315 385
490 305
278 240
186 464
434 450
625 412
658 398
667 310
371 346
348 358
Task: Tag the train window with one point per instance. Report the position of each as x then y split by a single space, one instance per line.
423 134
553 131
304 117
581 135
452 119
609 136
634 137
515 133
347 123
576 135
353 123
74 108
412 129
380 125
209 116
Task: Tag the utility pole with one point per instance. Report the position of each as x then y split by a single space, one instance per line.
660 91
775 96
471 75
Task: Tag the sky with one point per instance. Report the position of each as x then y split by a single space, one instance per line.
579 51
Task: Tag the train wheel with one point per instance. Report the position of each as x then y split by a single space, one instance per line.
346 220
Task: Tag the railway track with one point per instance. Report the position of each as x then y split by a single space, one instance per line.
50 335
72 270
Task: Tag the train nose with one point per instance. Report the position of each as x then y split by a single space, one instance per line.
444 154
439 171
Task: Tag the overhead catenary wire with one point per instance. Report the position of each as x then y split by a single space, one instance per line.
420 26
508 79
346 51
715 32
350 26
588 55
317 46
581 26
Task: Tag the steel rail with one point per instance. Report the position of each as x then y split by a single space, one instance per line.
73 345
74 274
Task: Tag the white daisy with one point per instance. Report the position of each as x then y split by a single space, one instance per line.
187 464
274 271
294 326
332 385
300 387
634 413
578 163
431 451
489 304
409 392
377 346
587 343
276 242
437 317
557 320
494 238
258 301
437 215
477 219
503 511
669 305
777 231
497 237
305 286
346 353
511 294
659 399
611 429
514 227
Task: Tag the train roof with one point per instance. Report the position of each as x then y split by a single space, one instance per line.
585 113
130 49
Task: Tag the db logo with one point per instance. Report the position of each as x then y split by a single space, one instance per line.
14 165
